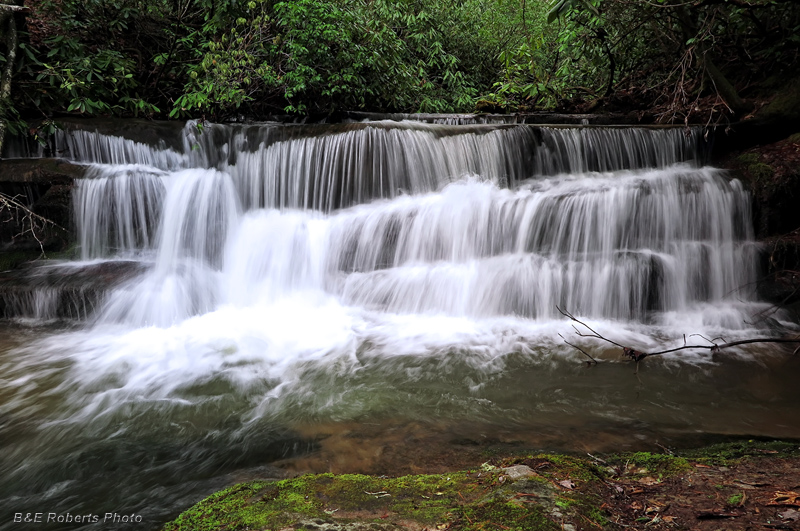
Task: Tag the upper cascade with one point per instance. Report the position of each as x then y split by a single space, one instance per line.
327 167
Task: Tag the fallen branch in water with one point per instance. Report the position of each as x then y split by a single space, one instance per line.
579 348
638 356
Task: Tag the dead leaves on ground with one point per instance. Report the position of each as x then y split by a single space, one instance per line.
789 498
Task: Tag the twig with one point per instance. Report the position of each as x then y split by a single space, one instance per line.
568 315
13 8
28 216
580 349
638 356
670 452
597 459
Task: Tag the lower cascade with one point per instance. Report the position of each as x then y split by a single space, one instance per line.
271 280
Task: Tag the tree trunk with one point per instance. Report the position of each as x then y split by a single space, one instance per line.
8 26
721 84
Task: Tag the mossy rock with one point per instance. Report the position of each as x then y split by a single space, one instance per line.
786 105
761 171
745 159
657 465
508 514
557 492
331 501
466 501
732 452
11 259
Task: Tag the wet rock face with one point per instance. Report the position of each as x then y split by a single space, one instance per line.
772 174
40 171
43 186
59 290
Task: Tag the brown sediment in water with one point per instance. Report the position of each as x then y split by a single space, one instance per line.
398 448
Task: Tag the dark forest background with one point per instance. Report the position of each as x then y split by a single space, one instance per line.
674 60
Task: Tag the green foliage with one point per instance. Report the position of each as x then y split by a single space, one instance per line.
560 7
222 59
325 55
72 63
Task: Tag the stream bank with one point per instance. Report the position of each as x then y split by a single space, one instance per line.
737 485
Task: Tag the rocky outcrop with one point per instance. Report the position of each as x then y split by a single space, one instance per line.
42 187
57 290
772 173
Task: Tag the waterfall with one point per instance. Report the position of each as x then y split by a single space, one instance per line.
117 209
326 167
469 220
478 221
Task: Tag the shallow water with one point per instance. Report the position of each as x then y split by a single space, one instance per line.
291 307
148 420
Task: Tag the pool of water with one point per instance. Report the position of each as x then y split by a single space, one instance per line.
146 421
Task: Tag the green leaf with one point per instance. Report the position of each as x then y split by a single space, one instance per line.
561 7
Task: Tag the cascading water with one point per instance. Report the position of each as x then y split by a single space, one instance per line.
290 276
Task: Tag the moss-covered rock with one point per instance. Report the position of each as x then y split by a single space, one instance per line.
785 105
654 465
733 452
540 492
772 174
468 500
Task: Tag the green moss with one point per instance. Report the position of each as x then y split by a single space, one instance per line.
564 503
596 515
753 167
506 515
466 501
70 253
424 498
653 464
11 259
736 499
222 508
785 105
795 138
565 466
761 171
427 499
731 452
745 159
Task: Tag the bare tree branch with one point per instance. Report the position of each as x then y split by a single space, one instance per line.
580 349
13 8
637 356
30 221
